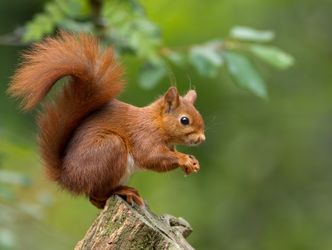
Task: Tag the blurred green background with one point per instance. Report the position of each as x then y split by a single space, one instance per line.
265 179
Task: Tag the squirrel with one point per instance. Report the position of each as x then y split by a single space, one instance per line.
90 142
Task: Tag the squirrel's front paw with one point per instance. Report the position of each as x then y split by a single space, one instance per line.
190 164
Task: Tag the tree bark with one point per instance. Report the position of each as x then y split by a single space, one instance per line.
122 226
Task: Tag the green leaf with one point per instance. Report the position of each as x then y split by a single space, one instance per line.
45 198
144 46
6 193
75 26
273 55
147 27
130 30
54 11
206 58
10 177
151 74
41 25
72 8
7 239
144 37
245 74
176 58
54 14
249 34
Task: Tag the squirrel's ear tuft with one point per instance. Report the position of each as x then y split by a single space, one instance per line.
171 99
191 96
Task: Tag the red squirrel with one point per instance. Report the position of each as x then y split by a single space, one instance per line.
90 142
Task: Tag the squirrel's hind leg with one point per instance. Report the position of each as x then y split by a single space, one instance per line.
98 202
130 195
95 167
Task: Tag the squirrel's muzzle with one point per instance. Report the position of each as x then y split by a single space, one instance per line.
199 138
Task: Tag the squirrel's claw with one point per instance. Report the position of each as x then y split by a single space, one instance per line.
130 195
191 165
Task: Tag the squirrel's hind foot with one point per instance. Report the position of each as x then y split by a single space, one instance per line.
130 195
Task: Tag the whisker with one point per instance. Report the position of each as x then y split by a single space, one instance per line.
190 82
212 123
171 76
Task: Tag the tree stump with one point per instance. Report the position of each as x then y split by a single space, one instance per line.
122 226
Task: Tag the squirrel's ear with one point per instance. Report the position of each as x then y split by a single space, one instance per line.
171 99
191 96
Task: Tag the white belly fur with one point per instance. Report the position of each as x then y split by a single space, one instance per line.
130 170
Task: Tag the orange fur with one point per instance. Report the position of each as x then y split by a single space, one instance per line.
90 142
95 79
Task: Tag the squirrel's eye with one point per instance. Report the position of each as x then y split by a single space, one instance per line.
184 120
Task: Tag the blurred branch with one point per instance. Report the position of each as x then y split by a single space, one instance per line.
126 27
121 226
97 20
13 39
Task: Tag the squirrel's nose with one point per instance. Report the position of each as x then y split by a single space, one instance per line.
201 138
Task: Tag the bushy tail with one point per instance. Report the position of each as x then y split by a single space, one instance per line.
95 79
